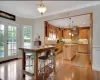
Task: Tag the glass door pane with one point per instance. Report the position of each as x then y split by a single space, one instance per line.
12 40
1 40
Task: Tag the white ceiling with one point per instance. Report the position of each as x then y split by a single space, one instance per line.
80 21
28 9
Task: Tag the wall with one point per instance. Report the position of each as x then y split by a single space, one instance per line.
19 22
39 28
96 38
39 23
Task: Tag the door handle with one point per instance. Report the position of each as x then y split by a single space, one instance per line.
7 42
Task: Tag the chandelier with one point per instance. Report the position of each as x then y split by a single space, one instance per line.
41 8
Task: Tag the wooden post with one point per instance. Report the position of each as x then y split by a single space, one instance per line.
23 64
36 66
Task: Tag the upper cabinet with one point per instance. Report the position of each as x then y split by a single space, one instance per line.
49 29
83 33
46 28
59 33
66 34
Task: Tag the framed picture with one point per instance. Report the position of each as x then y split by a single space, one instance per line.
7 15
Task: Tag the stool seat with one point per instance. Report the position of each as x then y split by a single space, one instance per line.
32 57
43 57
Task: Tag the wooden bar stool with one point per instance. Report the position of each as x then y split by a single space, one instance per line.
43 60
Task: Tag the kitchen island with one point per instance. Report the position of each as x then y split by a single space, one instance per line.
69 51
35 51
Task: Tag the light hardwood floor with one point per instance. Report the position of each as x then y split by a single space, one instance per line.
65 70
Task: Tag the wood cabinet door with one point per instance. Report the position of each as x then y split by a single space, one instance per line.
59 33
66 34
83 48
48 30
83 33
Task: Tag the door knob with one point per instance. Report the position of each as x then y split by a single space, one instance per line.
7 41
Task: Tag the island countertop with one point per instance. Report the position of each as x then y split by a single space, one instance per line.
71 44
37 49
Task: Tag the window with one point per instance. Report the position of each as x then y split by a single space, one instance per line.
52 36
27 36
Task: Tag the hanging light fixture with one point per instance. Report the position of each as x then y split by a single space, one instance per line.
70 26
41 8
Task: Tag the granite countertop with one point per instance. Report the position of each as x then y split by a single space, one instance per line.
36 49
71 44
82 44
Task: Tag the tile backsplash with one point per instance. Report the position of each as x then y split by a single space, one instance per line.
83 41
79 41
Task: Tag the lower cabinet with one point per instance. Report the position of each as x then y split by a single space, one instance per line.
69 51
66 34
83 48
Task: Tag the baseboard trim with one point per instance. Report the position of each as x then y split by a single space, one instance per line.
8 60
96 68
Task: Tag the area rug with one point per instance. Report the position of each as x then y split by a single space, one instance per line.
80 60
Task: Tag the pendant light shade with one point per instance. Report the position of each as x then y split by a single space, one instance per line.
41 8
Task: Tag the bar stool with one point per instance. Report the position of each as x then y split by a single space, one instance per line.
51 64
30 57
43 60
51 58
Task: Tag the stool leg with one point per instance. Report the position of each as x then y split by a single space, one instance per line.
32 62
44 71
29 61
40 65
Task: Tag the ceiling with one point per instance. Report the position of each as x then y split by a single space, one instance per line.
80 21
28 9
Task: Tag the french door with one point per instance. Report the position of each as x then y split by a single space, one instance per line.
8 41
2 40
12 40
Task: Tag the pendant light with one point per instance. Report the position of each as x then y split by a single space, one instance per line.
70 26
41 8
